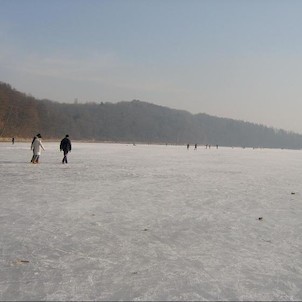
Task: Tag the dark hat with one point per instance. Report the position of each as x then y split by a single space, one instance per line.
66 135
39 135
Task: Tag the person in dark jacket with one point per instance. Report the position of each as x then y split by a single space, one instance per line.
32 148
65 146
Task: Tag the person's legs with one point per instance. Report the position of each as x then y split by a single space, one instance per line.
66 152
65 157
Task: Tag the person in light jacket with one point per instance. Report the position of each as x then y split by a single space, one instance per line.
37 148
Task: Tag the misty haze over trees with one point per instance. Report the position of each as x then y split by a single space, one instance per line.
24 116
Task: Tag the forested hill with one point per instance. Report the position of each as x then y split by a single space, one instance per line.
24 116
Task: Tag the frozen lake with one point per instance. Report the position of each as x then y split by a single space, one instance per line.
147 222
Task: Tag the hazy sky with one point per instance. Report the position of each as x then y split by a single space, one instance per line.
237 59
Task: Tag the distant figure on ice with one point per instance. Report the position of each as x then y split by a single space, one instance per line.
65 146
188 146
37 147
195 147
13 140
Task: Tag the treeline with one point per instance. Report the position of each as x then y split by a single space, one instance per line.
23 116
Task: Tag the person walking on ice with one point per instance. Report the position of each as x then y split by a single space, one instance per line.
37 147
32 148
65 146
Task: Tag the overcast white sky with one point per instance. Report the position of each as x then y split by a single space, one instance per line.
238 59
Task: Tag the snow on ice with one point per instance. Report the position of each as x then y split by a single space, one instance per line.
150 222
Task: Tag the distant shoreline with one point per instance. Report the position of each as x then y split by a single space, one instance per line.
25 140
57 140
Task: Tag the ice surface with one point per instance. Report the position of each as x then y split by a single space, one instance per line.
147 222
